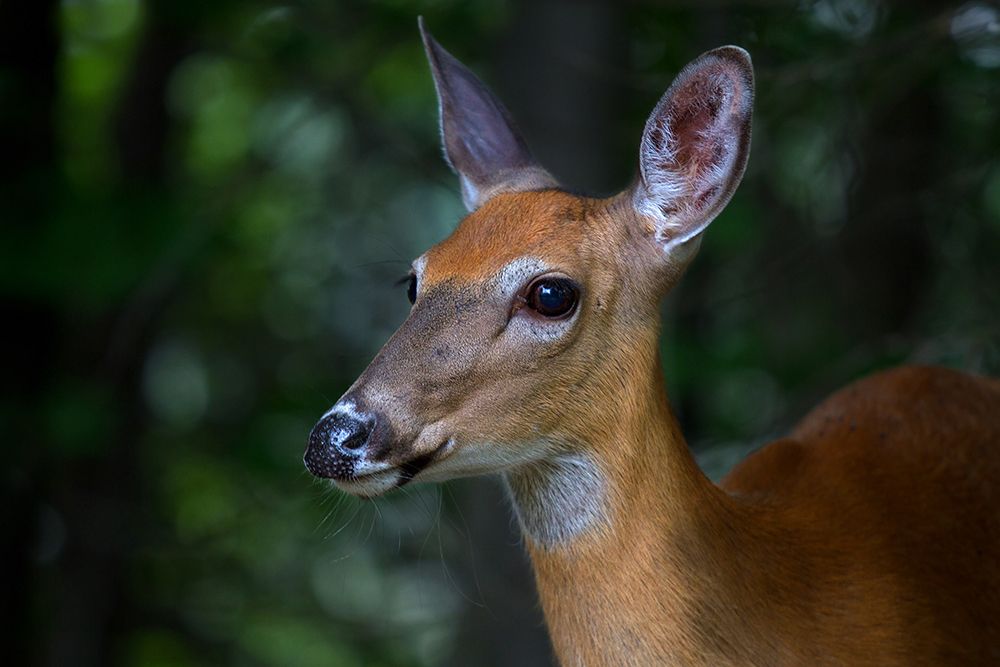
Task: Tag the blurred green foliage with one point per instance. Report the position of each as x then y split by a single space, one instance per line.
205 258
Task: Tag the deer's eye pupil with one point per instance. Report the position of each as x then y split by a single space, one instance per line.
552 297
411 289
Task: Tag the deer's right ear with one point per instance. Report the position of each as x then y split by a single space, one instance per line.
695 146
480 140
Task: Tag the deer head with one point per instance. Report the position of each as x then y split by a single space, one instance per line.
533 332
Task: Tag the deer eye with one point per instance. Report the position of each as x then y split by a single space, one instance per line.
552 297
411 289
411 286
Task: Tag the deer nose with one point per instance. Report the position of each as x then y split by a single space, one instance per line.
335 443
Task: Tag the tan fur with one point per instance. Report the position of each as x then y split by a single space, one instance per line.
871 536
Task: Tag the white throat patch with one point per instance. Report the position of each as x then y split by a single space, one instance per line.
558 499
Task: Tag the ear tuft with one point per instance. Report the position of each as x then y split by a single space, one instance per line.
695 145
481 142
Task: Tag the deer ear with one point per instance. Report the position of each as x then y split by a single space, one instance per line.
481 143
695 146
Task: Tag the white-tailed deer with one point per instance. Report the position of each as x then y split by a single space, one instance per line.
870 536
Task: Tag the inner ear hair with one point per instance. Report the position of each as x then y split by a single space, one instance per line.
695 145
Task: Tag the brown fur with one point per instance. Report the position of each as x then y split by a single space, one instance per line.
871 536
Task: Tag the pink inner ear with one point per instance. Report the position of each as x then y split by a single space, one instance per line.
693 143
703 140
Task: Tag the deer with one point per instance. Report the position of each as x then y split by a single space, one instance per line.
870 535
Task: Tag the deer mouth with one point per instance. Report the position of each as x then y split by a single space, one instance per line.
378 482
415 466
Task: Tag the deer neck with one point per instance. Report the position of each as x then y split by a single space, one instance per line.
627 540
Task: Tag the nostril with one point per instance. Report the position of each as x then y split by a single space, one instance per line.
342 432
356 439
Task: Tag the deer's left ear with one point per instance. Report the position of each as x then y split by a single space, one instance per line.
480 140
695 146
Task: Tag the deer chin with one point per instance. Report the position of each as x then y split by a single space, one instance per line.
371 484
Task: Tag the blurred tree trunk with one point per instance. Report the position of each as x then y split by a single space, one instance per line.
29 48
98 493
141 123
563 63
884 244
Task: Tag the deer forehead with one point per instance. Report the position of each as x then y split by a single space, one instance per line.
547 230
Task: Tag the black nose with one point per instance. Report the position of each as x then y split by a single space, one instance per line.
334 444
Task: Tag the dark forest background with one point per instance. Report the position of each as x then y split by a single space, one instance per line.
205 206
